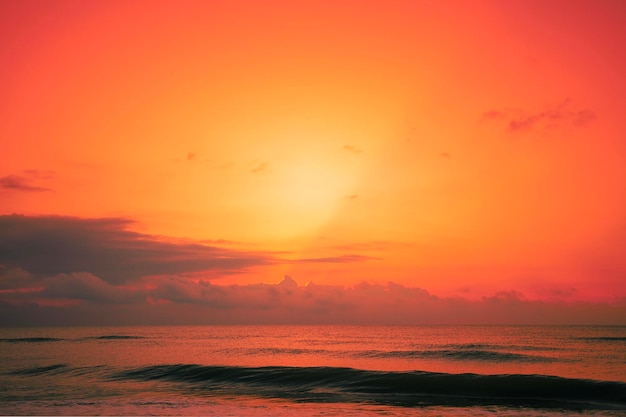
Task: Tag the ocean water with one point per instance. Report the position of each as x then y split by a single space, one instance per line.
314 371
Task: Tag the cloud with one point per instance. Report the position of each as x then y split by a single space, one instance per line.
493 114
13 278
352 149
505 296
70 271
191 156
39 174
175 299
50 245
87 287
371 246
336 259
562 114
20 183
259 167
220 242
556 294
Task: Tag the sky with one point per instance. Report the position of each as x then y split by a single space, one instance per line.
312 162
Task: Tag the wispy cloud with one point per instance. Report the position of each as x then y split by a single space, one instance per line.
20 183
336 259
561 114
39 173
259 167
352 149
370 246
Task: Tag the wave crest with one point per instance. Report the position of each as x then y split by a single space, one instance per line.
393 388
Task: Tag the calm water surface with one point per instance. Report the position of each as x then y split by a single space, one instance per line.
314 370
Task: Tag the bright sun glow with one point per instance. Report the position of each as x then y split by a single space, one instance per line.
306 192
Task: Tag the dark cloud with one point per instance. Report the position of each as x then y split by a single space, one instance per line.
505 296
20 183
352 149
562 114
353 197
12 278
557 293
46 246
175 299
71 271
87 287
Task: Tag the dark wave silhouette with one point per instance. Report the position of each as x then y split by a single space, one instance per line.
41 370
605 339
290 351
31 340
56 339
329 384
461 355
484 346
115 337
464 353
486 355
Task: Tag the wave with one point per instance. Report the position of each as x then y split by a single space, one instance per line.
31 340
605 339
41 370
330 384
463 355
114 337
483 346
290 351
57 339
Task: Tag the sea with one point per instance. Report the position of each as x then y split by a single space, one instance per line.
314 371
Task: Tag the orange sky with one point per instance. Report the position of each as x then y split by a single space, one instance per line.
462 147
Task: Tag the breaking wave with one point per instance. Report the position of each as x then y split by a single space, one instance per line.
416 388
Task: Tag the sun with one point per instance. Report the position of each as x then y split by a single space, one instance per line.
303 193
313 186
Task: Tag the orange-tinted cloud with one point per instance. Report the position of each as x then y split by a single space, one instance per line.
562 114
